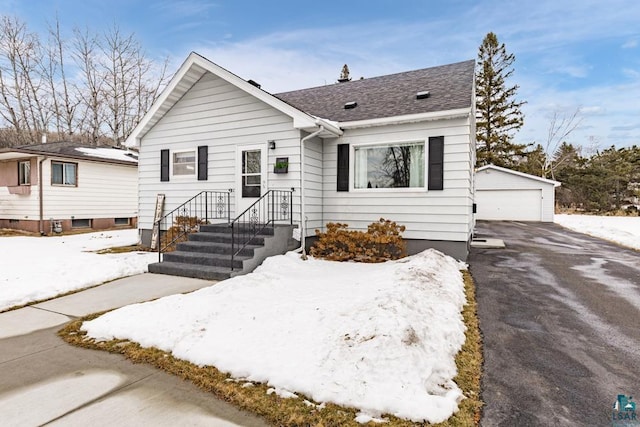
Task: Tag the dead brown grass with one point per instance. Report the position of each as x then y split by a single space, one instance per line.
295 412
124 249
9 232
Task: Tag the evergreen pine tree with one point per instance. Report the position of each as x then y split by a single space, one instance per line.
498 113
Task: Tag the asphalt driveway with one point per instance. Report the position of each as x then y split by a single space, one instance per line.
560 317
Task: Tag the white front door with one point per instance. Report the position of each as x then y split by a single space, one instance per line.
251 177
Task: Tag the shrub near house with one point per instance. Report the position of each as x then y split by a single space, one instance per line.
381 242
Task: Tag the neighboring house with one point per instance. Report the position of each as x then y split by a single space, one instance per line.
400 146
66 185
505 194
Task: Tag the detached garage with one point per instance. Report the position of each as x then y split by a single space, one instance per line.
504 194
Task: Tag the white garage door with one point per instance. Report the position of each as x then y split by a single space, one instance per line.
509 205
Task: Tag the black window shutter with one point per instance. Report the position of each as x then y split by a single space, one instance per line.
164 165
203 152
436 162
343 167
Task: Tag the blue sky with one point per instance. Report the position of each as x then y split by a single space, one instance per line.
569 54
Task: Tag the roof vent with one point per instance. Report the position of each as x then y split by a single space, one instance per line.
423 94
350 105
254 83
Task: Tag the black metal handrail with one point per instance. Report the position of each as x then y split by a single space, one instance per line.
273 206
186 218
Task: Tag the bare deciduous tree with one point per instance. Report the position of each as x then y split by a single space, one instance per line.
561 125
92 87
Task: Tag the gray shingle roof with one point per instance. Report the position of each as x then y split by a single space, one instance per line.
450 87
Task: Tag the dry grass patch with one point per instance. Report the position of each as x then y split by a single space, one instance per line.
301 411
10 232
124 249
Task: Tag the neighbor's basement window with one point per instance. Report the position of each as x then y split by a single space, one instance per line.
121 221
81 223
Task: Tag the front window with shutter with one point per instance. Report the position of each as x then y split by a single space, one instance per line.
389 166
184 163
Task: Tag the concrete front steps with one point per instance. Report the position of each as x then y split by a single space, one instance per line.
207 253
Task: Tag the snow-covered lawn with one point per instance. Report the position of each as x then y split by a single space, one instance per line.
35 268
379 337
624 230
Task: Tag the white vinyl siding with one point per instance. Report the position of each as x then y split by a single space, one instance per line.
313 185
219 115
103 191
427 214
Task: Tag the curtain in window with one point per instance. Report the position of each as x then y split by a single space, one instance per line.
361 172
56 173
416 166
24 173
69 174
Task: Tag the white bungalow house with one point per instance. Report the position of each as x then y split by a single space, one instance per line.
399 146
60 186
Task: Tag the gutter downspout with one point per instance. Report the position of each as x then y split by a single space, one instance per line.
40 195
303 230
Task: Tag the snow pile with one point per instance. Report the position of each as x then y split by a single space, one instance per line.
624 230
35 268
378 337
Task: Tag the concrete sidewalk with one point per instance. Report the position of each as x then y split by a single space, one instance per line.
43 380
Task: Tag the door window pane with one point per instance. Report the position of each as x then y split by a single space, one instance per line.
251 176
251 161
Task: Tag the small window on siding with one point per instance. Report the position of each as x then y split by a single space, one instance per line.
63 173
24 173
184 163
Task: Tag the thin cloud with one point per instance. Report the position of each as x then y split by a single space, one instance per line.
630 44
184 8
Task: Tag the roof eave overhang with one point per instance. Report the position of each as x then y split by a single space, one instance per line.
12 154
459 113
521 174
20 153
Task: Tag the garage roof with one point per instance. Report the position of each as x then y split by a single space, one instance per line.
521 174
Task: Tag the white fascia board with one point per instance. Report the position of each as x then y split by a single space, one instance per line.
133 140
518 173
409 118
301 120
